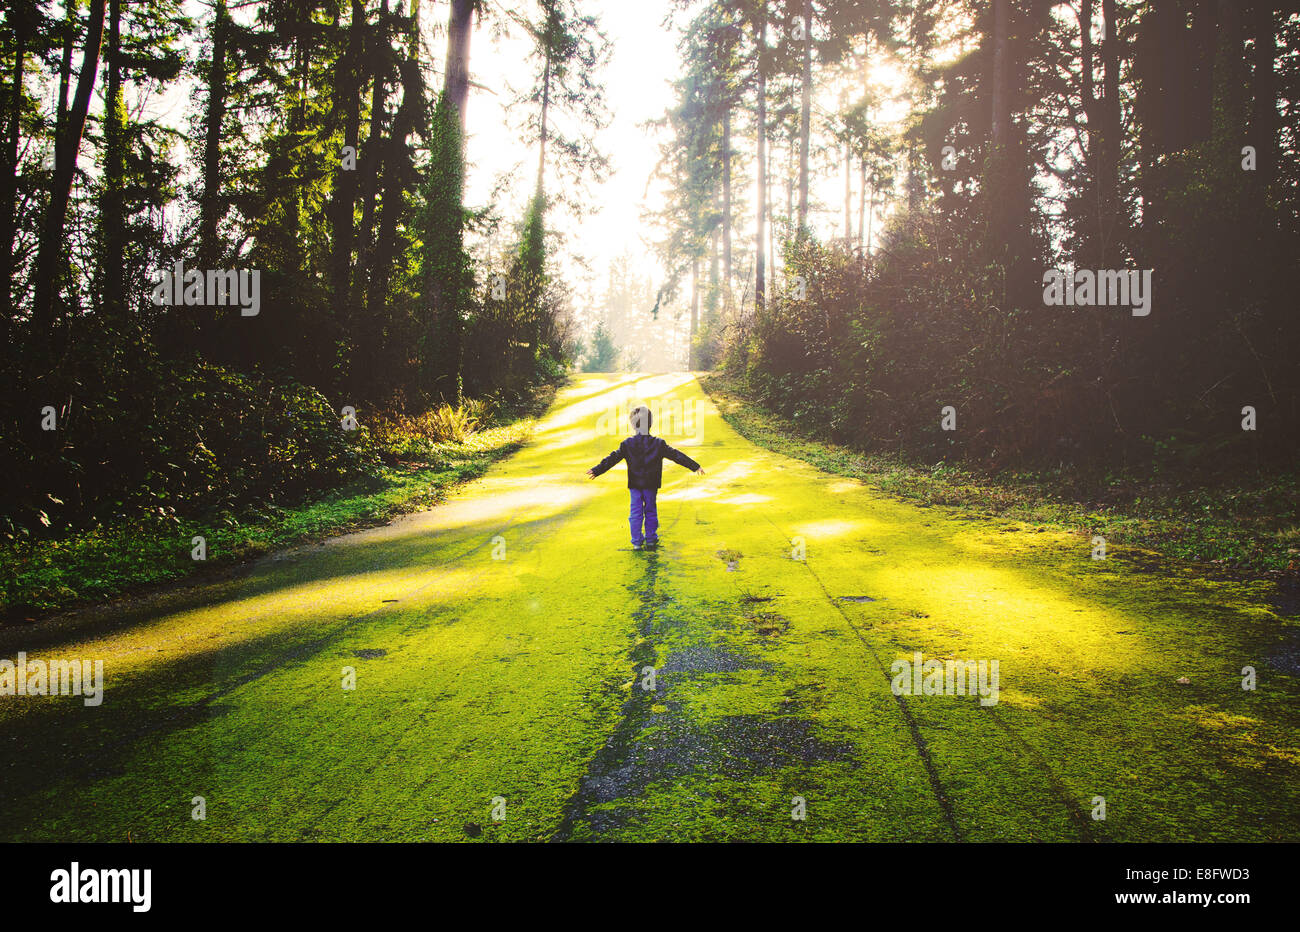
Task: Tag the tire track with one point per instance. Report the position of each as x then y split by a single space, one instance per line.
1074 811
918 740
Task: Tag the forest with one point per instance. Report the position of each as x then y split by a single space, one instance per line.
314 192
476 421
1068 228
1034 144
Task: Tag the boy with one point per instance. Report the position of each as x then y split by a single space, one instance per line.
645 468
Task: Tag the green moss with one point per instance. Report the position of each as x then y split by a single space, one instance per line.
1237 519
521 677
107 561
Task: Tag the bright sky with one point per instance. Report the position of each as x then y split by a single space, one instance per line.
645 60
637 89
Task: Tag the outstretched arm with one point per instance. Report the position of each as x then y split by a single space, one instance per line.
681 459
605 464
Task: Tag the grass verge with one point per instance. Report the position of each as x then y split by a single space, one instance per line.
93 565
1247 522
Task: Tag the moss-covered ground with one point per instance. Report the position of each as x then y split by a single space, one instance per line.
1221 513
500 645
38 578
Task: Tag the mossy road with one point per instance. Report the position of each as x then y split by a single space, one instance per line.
513 656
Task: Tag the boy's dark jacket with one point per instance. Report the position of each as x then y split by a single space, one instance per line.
645 460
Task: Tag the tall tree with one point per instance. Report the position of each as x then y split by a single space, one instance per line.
805 112
113 209
445 272
570 49
67 144
460 28
22 20
1109 129
760 216
1264 115
347 101
1000 86
214 119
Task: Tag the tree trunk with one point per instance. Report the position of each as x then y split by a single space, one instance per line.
300 73
862 165
1096 132
713 276
862 200
65 68
1111 127
805 115
50 250
848 195
445 294
343 208
1000 96
369 166
1264 118
871 214
112 215
1232 104
771 239
726 206
460 27
790 182
1003 203
1087 64
760 251
546 103
914 182
394 181
20 21
695 311
213 122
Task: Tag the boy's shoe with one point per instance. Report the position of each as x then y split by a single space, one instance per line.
652 545
638 546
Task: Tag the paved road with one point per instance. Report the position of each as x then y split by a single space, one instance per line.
521 674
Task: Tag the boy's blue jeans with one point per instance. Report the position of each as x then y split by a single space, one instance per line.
644 507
